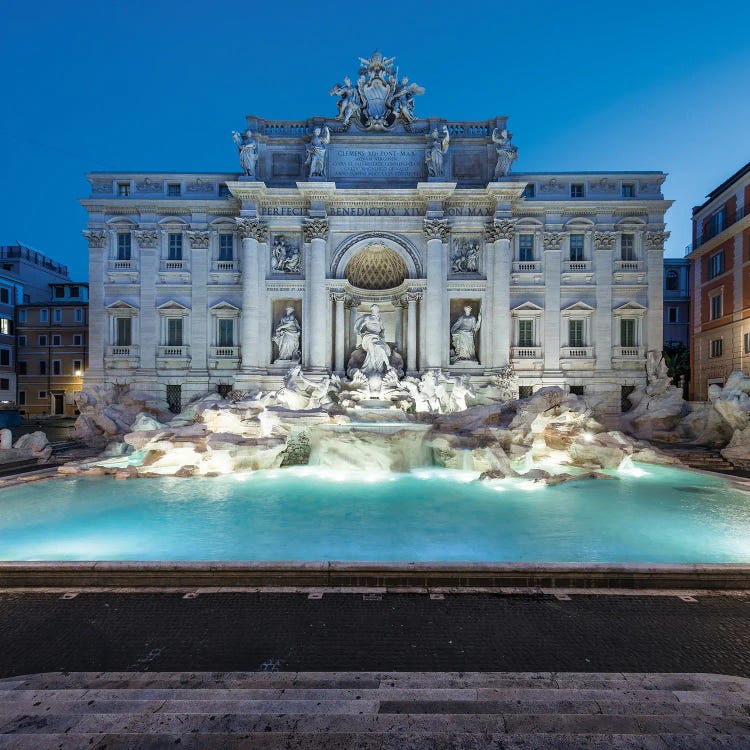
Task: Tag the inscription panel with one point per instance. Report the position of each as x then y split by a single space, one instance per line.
393 163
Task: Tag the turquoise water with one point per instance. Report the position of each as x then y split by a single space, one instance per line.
666 515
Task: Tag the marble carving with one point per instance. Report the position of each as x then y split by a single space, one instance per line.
248 150
463 337
437 148
316 152
287 337
465 256
285 256
507 153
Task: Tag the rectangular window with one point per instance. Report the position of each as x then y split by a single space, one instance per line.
529 191
123 189
746 343
628 190
4 384
124 248
74 292
716 306
21 398
57 315
226 247
627 332
22 340
42 340
717 223
42 367
175 247
526 247
716 264
576 247
575 332
6 326
226 332
78 315
57 340
174 331
22 368
173 189
43 315
627 247
22 316
77 339
223 190
42 394
717 347
5 357
26 300
672 315
56 367
59 291
123 330
576 190
525 333
4 296
77 367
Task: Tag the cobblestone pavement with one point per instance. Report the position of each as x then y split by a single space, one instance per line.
148 632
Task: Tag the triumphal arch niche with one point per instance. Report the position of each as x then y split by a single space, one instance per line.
388 222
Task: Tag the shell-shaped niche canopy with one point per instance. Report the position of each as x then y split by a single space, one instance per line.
376 267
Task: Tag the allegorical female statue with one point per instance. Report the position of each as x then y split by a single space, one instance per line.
378 354
463 337
287 336
248 149
507 153
437 148
316 152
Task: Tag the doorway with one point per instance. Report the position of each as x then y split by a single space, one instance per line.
58 403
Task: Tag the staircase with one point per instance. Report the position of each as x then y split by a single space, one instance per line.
388 711
702 458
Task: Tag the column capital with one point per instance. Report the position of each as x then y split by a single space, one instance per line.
252 229
198 240
315 229
413 295
552 240
436 229
604 240
147 238
656 240
500 229
350 301
337 295
96 237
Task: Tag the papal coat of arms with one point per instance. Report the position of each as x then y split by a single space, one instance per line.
378 100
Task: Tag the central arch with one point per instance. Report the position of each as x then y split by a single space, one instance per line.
387 244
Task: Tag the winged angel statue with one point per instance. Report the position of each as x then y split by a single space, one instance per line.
377 101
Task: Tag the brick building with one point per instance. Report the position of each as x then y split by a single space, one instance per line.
720 284
52 345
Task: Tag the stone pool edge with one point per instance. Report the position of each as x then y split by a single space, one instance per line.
389 575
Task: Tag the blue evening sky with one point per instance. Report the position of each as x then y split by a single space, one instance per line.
91 85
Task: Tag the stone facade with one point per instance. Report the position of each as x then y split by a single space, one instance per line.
191 274
720 284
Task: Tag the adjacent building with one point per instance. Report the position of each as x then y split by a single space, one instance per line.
720 284
52 343
677 302
213 281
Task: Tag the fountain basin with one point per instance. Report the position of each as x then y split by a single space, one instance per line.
666 516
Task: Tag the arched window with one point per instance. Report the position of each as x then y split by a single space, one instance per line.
673 280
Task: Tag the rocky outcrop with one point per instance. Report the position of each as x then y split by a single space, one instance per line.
36 444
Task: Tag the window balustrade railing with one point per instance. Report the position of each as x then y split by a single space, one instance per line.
520 266
577 352
224 265
577 265
628 265
174 265
174 352
716 228
122 351
526 352
627 352
122 265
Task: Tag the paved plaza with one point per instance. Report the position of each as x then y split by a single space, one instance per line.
157 632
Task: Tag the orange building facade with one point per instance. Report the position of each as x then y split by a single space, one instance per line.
720 281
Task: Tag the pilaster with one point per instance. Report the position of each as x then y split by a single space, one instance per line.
252 232
604 245
436 231
654 242
199 318
499 236
97 240
147 242
552 243
315 232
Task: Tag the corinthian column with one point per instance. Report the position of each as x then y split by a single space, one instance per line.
97 315
412 297
436 232
339 298
252 232
654 242
316 232
147 241
552 242
499 234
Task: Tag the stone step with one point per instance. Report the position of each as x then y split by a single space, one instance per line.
386 710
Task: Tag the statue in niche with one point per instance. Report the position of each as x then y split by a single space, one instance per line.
248 150
316 152
465 258
437 148
286 256
378 354
287 337
463 337
507 153
350 103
